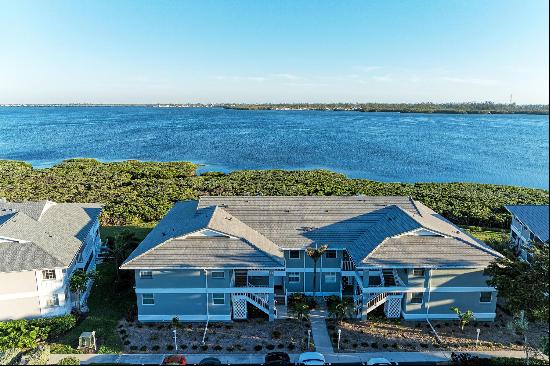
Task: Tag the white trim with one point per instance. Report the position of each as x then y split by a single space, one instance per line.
450 316
217 278
202 290
218 293
432 289
181 317
310 269
143 298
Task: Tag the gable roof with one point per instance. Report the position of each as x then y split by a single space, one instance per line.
534 216
372 229
184 219
39 235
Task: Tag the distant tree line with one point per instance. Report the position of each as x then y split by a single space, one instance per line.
142 192
454 108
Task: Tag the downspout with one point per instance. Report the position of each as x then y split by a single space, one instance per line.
207 310
428 305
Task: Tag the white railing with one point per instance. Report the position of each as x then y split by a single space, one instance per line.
348 266
398 280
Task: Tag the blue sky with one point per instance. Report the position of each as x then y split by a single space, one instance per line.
132 51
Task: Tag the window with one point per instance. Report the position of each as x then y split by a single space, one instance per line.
293 277
48 274
294 254
417 297
218 299
218 274
146 275
418 272
330 277
486 297
148 299
330 254
52 301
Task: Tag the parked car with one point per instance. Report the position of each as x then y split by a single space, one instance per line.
380 361
277 358
210 361
311 358
175 360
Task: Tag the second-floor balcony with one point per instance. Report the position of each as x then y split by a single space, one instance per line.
249 278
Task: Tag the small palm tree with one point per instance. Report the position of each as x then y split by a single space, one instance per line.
300 310
315 254
341 309
520 326
463 318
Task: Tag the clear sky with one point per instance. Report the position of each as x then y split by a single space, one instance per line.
133 51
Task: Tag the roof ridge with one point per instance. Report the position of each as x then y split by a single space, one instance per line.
414 205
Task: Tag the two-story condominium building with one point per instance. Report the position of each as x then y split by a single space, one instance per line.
219 258
41 244
529 226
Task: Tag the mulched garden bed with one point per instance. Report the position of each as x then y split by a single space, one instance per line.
251 336
380 334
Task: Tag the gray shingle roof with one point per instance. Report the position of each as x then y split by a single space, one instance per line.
360 224
207 252
534 216
53 233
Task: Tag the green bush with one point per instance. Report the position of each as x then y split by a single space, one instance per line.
69 361
55 326
142 192
59 348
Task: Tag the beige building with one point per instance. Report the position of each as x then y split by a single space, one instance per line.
41 244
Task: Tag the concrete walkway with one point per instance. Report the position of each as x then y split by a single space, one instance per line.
235 359
319 329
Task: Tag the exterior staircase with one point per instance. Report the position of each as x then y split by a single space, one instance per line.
391 299
389 278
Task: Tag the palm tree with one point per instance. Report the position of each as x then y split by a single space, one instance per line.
315 254
300 309
120 247
340 309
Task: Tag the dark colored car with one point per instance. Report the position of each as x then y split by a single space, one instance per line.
210 361
277 358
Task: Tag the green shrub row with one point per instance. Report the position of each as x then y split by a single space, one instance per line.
142 192
25 334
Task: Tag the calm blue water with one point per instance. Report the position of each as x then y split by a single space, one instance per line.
502 149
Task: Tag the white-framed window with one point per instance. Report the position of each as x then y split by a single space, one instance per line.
218 274
293 277
330 277
486 296
330 254
417 297
218 299
148 299
48 274
52 301
294 254
418 272
145 275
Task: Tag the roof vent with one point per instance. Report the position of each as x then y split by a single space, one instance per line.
287 210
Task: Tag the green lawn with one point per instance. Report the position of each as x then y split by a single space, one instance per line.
106 308
140 231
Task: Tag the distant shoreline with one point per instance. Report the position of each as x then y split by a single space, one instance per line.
427 108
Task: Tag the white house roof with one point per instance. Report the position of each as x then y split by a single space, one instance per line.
45 234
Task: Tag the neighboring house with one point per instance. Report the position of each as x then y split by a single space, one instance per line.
220 258
41 244
529 226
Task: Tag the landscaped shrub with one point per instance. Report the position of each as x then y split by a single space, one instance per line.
155 348
364 344
258 347
69 361
55 326
204 347
217 347
194 347
374 345
291 346
230 348
143 348
133 348
385 345
60 348
270 347
280 346
355 345
276 334
183 347
424 345
169 347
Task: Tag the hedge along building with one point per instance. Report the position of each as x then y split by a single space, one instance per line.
218 258
41 244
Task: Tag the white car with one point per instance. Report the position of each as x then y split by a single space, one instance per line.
380 361
311 358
